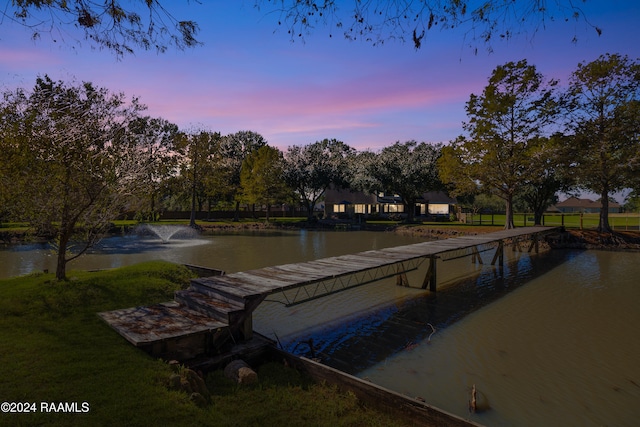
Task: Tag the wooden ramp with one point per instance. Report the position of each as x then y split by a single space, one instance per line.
218 308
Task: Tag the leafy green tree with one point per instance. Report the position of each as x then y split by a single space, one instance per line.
632 202
486 202
13 144
604 102
227 165
77 163
361 178
550 176
156 140
262 178
310 170
505 126
407 169
197 149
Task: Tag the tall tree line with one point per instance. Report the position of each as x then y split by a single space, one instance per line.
525 138
74 156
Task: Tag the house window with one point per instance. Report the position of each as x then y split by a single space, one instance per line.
339 208
394 208
360 208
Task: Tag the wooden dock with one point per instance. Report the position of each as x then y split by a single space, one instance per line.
216 310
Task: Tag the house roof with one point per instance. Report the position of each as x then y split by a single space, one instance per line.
337 197
438 197
574 202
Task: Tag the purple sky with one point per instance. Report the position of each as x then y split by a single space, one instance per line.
246 77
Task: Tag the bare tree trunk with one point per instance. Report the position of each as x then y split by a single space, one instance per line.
411 207
236 215
508 220
603 225
537 217
61 266
192 218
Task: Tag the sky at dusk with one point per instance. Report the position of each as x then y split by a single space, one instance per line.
248 77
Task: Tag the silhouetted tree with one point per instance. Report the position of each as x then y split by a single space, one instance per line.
409 21
115 25
124 26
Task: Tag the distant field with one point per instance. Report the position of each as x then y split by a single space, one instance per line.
628 221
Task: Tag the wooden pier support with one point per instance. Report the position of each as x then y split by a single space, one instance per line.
401 279
430 279
218 308
499 257
534 243
475 255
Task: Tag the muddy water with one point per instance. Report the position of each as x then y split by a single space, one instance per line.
562 350
554 341
228 252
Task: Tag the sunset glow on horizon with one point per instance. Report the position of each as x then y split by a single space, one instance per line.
248 77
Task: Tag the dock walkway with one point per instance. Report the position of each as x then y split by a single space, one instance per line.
219 308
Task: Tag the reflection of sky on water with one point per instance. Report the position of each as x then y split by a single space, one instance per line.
230 251
356 343
110 252
134 245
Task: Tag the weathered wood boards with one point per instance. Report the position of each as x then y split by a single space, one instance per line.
220 306
280 278
167 330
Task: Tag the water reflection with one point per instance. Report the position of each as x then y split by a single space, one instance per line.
559 350
552 342
361 340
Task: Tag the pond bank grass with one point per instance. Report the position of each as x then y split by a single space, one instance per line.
56 349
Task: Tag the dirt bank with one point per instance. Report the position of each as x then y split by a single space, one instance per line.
592 239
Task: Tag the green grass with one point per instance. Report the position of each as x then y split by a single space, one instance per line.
54 348
585 221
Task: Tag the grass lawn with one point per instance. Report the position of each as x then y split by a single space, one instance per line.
584 221
56 349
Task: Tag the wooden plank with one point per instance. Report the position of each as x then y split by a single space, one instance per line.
386 256
339 267
287 276
353 261
269 280
232 286
259 280
143 325
293 273
411 410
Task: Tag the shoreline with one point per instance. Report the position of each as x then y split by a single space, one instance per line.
622 240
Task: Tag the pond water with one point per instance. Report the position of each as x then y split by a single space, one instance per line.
553 341
562 350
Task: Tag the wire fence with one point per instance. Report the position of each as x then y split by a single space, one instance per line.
617 221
